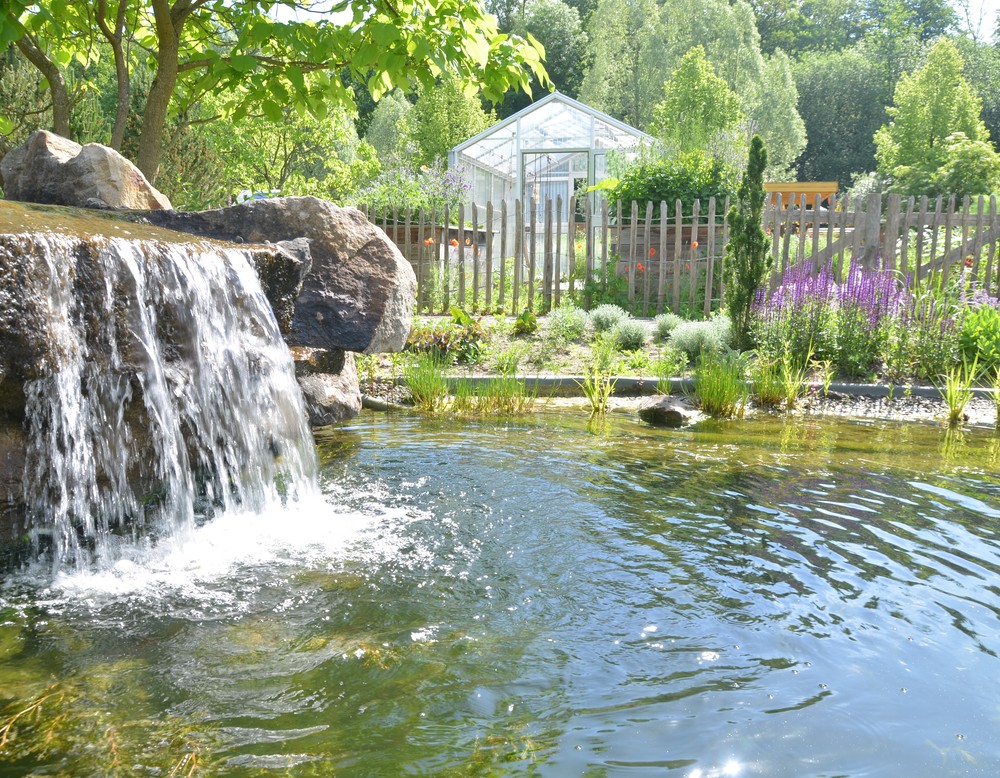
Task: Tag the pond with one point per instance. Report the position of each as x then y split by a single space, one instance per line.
765 598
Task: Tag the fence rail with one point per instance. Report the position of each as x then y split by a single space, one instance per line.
505 258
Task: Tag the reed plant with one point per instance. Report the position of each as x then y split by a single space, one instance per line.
502 396
425 378
669 364
957 389
995 386
597 386
768 385
793 377
720 386
823 371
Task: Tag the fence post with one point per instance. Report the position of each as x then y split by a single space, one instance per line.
632 229
588 262
489 256
548 271
644 261
475 257
532 249
678 242
503 254
891 233
710 257
518 254
661 282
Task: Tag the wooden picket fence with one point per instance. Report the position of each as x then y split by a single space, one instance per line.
652 259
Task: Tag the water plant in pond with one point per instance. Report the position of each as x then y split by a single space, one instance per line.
425 379
957 389
670 363
793 377
720 386
824 372
502 396
766 375
597 386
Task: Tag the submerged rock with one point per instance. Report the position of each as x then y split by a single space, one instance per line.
48 168
359 295
666 411
329 383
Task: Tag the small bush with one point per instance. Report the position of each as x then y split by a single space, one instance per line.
567 324
509 359
460 340
698 337
665 324
980 336
629 335
526 323
604 317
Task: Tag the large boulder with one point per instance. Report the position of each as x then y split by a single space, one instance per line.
48 168
662 410
361 291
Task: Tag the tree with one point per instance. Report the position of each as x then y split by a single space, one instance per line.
389 127
236 46
630 59
556 26
748 256
842 104
444 116
930 104
697 105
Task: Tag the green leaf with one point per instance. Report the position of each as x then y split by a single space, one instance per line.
272 111
6 125
243 63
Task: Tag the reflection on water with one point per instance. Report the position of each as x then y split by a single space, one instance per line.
763 598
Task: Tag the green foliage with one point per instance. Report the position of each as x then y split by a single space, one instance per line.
665 324
402 185
507 360
460 340
670 363
444 115
505 396
930 105
567 323
748 255
526 323
700 337
720 386
968 167
389 127
687 177
604 317
765 373
980 337
426 381
629 334
957 389
697 105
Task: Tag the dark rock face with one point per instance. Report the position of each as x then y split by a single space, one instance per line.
360 292
51 169
667 411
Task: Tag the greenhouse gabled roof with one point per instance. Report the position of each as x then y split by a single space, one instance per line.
554 123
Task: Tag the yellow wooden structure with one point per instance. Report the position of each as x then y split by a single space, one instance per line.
791 192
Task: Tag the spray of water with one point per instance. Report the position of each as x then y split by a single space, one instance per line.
171 395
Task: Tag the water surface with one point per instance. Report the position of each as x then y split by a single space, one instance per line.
532 598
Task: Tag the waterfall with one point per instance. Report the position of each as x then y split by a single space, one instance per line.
170 396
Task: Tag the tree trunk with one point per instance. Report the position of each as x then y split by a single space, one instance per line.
121 69
57 86
168 27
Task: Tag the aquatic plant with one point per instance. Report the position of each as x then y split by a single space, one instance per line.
503 396
957 389
425 379
793 377
720 386
597 386
768 387
671 363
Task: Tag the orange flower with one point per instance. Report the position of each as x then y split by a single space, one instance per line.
694 244
468 241
579 246
687 265
429 242
652 252
454 242
640 266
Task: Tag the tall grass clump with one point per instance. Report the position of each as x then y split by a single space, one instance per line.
502 396
720 386
699 337
629 335
793 377
768 387
426 381
671 363
664 325
957 390
598 382
606 316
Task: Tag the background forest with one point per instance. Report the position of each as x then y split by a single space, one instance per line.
889 95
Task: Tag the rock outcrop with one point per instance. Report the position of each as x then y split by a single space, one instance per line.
50 169
665 411
360 293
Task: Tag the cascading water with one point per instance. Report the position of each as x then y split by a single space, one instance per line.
172 394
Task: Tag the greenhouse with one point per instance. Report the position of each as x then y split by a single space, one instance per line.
554 148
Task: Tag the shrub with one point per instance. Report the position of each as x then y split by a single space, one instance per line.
567 324
629 335
696 175
698 337
980 338
460 340
604 317
664 324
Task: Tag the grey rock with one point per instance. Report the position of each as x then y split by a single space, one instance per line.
332 398
667 411
48 168
360 293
